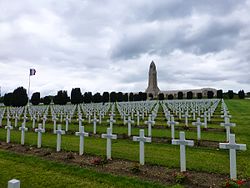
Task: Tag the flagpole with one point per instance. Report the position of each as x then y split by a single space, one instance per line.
29 91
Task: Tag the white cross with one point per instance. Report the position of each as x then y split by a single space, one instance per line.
80 120
54 123
205 119
24 120
129 121
14 183
172 123
16 119
23 129
33 121
227 126
138 117
183 142
59 133
141 139
198 124
44 120
39 132
186 116
109 136
150 122
111 121
8 127
232 146
82 134
95 120
67 123
225 116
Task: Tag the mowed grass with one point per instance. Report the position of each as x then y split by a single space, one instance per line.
39 173
198 158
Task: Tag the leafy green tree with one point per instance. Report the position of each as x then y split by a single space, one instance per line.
19 97
210 94
97 98
180 95
7 99
113 96
125 97
119 97
105 97
131 97
190 95
61 98
161 96
35 98
87 97
241 94
230 94
219 94
47 100
76 96
170 97
199 95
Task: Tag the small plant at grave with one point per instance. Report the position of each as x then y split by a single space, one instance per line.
99 161
230 183
181 177
135 169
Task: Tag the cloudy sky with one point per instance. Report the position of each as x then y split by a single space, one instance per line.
107 45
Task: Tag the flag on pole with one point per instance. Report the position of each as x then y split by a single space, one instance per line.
32 72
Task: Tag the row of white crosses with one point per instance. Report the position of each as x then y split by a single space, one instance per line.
142 139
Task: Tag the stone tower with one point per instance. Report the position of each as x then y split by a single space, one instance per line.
152 80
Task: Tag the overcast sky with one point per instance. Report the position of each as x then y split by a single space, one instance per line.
107 45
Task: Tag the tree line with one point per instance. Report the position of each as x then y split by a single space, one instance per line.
19 97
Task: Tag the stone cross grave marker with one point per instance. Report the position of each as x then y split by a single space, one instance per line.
129 121
227 126
141 139
150 122
109 136
39 132
172 123
138 115
59 133
16 119
198 124
8 128
54 119
232 146
14 183
67 123
44 120
81 134
205 119
183 142
186 116
111 121
34 121
23 129
94 120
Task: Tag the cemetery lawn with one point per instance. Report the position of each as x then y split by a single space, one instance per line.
199 158
36 172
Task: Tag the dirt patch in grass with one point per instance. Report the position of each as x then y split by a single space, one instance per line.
159 174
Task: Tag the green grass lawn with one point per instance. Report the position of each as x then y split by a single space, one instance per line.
165 154
39 173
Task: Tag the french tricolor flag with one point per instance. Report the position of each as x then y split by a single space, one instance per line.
32 72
